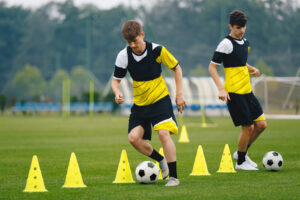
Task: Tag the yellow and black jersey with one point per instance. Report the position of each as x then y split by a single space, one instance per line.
145 70
234 54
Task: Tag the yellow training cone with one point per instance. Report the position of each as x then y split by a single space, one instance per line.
183 135
124 172
35 182
161 152
200 167
226 165
73 178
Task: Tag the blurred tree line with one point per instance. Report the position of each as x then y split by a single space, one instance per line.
40 48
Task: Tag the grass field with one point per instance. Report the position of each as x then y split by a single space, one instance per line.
98 143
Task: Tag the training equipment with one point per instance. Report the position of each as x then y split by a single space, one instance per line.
272 161
66 88
172 182
73 177
251 162
200 167
183 135
226 165
147 172
279 96
124 172
35 182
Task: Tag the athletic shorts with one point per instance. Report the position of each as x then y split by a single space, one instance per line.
160 115
244 109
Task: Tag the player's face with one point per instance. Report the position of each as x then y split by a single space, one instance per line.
138 45
237 31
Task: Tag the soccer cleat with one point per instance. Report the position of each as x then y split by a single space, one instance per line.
172 182
245 166
235 157
163 165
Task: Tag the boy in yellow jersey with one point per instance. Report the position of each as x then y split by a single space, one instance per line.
244 108
151 101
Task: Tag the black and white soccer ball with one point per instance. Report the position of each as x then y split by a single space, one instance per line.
272 161
147 172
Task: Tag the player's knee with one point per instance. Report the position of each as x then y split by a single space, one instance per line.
163 135
133 139
249 129
263 125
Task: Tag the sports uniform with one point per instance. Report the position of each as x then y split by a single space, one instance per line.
151 101
243 106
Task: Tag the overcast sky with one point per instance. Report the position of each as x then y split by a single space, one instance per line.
103 4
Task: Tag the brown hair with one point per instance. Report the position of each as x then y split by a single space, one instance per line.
237 17
131 29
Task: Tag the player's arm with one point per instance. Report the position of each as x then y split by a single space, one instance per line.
115 85
180 102
253 71
170 61
223 95
119 73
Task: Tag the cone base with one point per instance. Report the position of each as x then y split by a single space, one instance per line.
124 182
226 171
35 190
74 186
194 174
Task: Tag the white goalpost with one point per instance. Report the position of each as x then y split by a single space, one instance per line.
279 96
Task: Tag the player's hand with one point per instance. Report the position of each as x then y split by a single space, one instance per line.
255 72
180 102
119 98
224 96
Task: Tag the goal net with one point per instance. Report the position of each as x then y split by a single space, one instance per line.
279 96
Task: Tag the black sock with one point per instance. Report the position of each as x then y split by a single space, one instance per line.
172 169
156 156
241 157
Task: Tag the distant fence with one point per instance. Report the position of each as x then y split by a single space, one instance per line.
104 107
57 107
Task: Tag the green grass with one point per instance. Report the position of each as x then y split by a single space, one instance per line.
98 143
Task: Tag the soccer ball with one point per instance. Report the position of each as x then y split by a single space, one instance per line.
147 172
272 161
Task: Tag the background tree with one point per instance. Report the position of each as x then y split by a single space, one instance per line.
55 36
28 83
198 71
80 81
264 68
2 102
12 27
55 85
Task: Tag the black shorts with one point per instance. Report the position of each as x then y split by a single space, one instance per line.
154 114
244 108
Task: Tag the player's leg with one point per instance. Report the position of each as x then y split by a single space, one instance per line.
164 122
170 154
243 141
135 138
259 127
168 145
260 123
244 138
138 134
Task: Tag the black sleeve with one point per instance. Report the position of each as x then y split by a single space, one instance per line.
218 57
120 72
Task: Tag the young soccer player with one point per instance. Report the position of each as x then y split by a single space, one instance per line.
151 101
243 106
